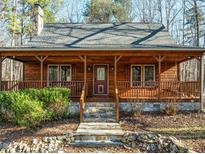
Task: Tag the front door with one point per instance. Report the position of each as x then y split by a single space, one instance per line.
100 79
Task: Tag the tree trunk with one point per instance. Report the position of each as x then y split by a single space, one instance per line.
14 19
22 21
197 23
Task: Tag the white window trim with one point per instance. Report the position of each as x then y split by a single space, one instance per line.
59 72
142 73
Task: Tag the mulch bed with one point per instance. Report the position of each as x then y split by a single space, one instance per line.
144 122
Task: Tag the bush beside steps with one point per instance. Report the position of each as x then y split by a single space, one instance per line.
30 107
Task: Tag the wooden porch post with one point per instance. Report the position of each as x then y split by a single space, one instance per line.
202 83
85 70
1 60
84 91
84 59
41 59
159 60
116 89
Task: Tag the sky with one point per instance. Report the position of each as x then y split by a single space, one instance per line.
74 8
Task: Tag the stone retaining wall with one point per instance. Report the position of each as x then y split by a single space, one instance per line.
154 143
145 142
54 144
146 107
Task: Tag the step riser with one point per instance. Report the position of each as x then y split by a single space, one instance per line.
97 138
101 112
99 109
99 120
88 114
100 104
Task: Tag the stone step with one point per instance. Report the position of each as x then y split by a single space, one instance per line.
96 143
98 133
99 119
99 104
100 112
105 113
99 109
97 138
99 124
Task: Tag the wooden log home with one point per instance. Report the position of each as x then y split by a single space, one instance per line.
107 63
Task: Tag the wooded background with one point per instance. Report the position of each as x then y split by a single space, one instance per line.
184 19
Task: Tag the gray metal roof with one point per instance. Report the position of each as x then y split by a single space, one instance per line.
98 36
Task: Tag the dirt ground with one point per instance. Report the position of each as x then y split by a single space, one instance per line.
10 133
188 127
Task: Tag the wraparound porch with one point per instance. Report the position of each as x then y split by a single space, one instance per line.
120 86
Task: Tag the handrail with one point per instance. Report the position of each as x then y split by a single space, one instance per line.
82 102
117 104
14 85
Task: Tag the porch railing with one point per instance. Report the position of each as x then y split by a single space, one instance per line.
75 86
150 89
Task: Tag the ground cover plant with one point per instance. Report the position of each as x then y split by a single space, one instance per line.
31 107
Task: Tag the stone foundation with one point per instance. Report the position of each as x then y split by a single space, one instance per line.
156 107
74 108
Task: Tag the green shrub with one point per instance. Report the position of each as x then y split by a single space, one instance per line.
55 100
32 106
18 108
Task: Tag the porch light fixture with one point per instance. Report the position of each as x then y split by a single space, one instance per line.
89 68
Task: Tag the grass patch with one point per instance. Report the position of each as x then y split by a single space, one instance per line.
182 132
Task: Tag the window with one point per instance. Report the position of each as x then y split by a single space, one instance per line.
100 73
53 73
149 75
142 75
136 75
65 73
59 72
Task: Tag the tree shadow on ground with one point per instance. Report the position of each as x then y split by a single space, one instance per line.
184 125
10 132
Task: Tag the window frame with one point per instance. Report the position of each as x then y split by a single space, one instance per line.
142 74
59 71
131 80
48 71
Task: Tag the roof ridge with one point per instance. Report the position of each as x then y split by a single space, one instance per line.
106 23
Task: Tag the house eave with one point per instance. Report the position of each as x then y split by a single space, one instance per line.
6 49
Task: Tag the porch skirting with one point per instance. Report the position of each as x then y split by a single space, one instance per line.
74 107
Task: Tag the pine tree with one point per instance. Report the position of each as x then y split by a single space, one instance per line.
106 11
